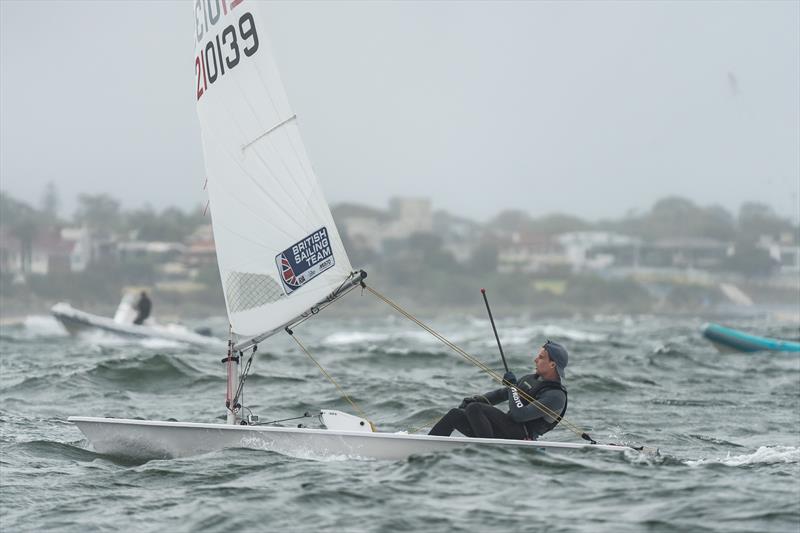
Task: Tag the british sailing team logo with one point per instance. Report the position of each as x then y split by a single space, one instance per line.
305 260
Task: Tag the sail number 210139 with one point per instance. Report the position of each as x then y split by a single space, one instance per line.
224 49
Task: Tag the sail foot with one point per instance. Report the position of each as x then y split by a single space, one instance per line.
355 278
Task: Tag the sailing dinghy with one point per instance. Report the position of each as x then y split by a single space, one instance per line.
280 256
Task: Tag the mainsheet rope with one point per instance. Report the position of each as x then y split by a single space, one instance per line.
477 362
330 378
472 359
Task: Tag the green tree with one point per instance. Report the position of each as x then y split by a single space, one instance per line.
756 219
51 202
24 224
510 220
98 211
675 217
172 224
557 223
484 259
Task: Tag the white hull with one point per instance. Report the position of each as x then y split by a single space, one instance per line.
145 439
77 321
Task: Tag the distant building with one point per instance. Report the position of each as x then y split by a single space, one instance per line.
199 248
52 255
367 228
688 253
598 250
11 253
157 250
81 254
409 216
530 253
784 252
362 226
460 236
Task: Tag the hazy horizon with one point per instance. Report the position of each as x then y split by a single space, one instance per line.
582 108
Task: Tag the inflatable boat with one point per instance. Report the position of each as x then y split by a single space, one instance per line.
733 340
124 324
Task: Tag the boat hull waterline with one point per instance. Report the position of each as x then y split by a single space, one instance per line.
148 439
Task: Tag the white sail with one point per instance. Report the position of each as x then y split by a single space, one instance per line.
278 249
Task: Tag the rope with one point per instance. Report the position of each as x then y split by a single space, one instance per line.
477 362
424 425
341 390
244 374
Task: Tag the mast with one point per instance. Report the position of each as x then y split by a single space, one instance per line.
232 382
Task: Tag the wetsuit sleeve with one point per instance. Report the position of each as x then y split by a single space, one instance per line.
553 399
496 396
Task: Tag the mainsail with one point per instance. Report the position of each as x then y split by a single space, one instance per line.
278 249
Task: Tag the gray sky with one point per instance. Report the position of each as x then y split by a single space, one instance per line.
586 108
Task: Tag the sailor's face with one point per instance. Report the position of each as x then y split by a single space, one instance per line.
542 361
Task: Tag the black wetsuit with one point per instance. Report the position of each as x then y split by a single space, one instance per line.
143 307
523 419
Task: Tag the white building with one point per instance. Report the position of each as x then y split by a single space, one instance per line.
597 250
785 253
368 228
530 253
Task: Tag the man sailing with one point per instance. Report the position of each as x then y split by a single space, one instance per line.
477 416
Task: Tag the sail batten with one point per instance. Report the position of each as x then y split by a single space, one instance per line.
273 128
278 249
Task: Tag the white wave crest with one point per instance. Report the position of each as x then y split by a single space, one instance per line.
765 455
354 337
44 325
557 332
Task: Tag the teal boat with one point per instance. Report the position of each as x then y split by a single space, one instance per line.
728 340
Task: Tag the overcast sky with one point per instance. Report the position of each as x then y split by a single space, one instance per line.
586 108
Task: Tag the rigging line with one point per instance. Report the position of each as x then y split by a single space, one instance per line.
546 410
330 378
243 376
426 424
228 399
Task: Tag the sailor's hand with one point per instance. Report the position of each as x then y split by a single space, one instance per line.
466 401
472 399
509 378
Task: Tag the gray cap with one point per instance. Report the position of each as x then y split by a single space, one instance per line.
558 354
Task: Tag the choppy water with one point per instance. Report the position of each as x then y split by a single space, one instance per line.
726 425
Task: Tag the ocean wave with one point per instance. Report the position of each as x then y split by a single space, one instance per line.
60 450
151 372
346 338
764 455
33 326
558 332
44 325
598 383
